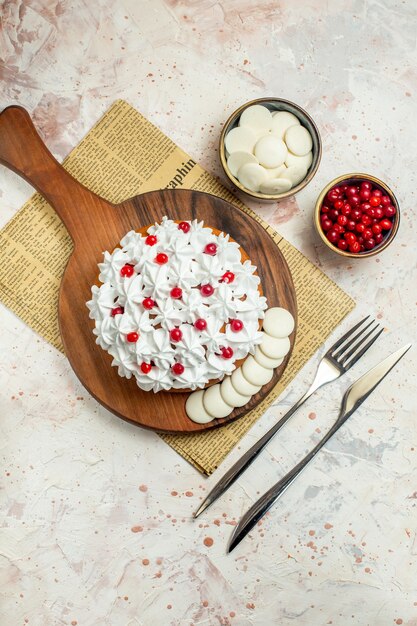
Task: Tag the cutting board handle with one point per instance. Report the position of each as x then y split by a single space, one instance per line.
23 151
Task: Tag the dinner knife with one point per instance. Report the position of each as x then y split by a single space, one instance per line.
355 395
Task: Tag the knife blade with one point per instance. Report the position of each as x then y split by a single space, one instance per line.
355 395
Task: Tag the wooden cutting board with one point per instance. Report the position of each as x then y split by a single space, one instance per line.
96 225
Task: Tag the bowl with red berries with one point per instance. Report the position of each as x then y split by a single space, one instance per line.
357 215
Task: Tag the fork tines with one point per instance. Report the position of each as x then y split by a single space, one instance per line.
350 347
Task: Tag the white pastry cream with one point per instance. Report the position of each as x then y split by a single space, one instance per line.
177 307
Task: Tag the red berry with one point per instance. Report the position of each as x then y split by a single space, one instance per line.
325 208
350 238
236 325
178 368
151 240
378 238
365 206
132 337
343 188
364 194
366 220
332 236
146 367
333 214
210 249
351 225
355 214
333 195
228 277
227 353
360 227
175 334
127 271
369 244
376 228
390 211
367 234
351 191
354 200
118 310
176 293
371 212
377 193
148 303
161 258
338 204
355 247
184 226
200 324
342 244
207 290
374 200
346 209
326 224
342 220
379 212
385 201
366 185
386 224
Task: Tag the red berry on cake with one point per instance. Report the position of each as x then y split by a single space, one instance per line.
200 324
178 368
176 293
207 290
184 226
236 325
118 310
127 271
228 277
151 240
227 353
132 337
146 368
210 249
161 258
175 335
148 303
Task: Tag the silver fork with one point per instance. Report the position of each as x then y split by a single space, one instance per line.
336 362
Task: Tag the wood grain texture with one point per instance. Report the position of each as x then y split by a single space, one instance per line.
96 225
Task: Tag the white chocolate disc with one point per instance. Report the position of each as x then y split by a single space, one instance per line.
195 409
240 140
252 175
255 373
214 403
241 385
265 361
298 140
281 121
237 159
294 174
275 347
230 395
256 117
275 186
270 151
276 172
302 161
278 322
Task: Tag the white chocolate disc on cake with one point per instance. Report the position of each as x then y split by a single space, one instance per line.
302 161
243 386
256 117
281 121
237 159
275 347
230 395
255 373
278 322
240 140
195 409
275 185
214 403
252 176
298 140
295 174
270 151
265 361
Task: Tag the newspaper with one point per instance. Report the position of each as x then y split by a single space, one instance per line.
122 156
